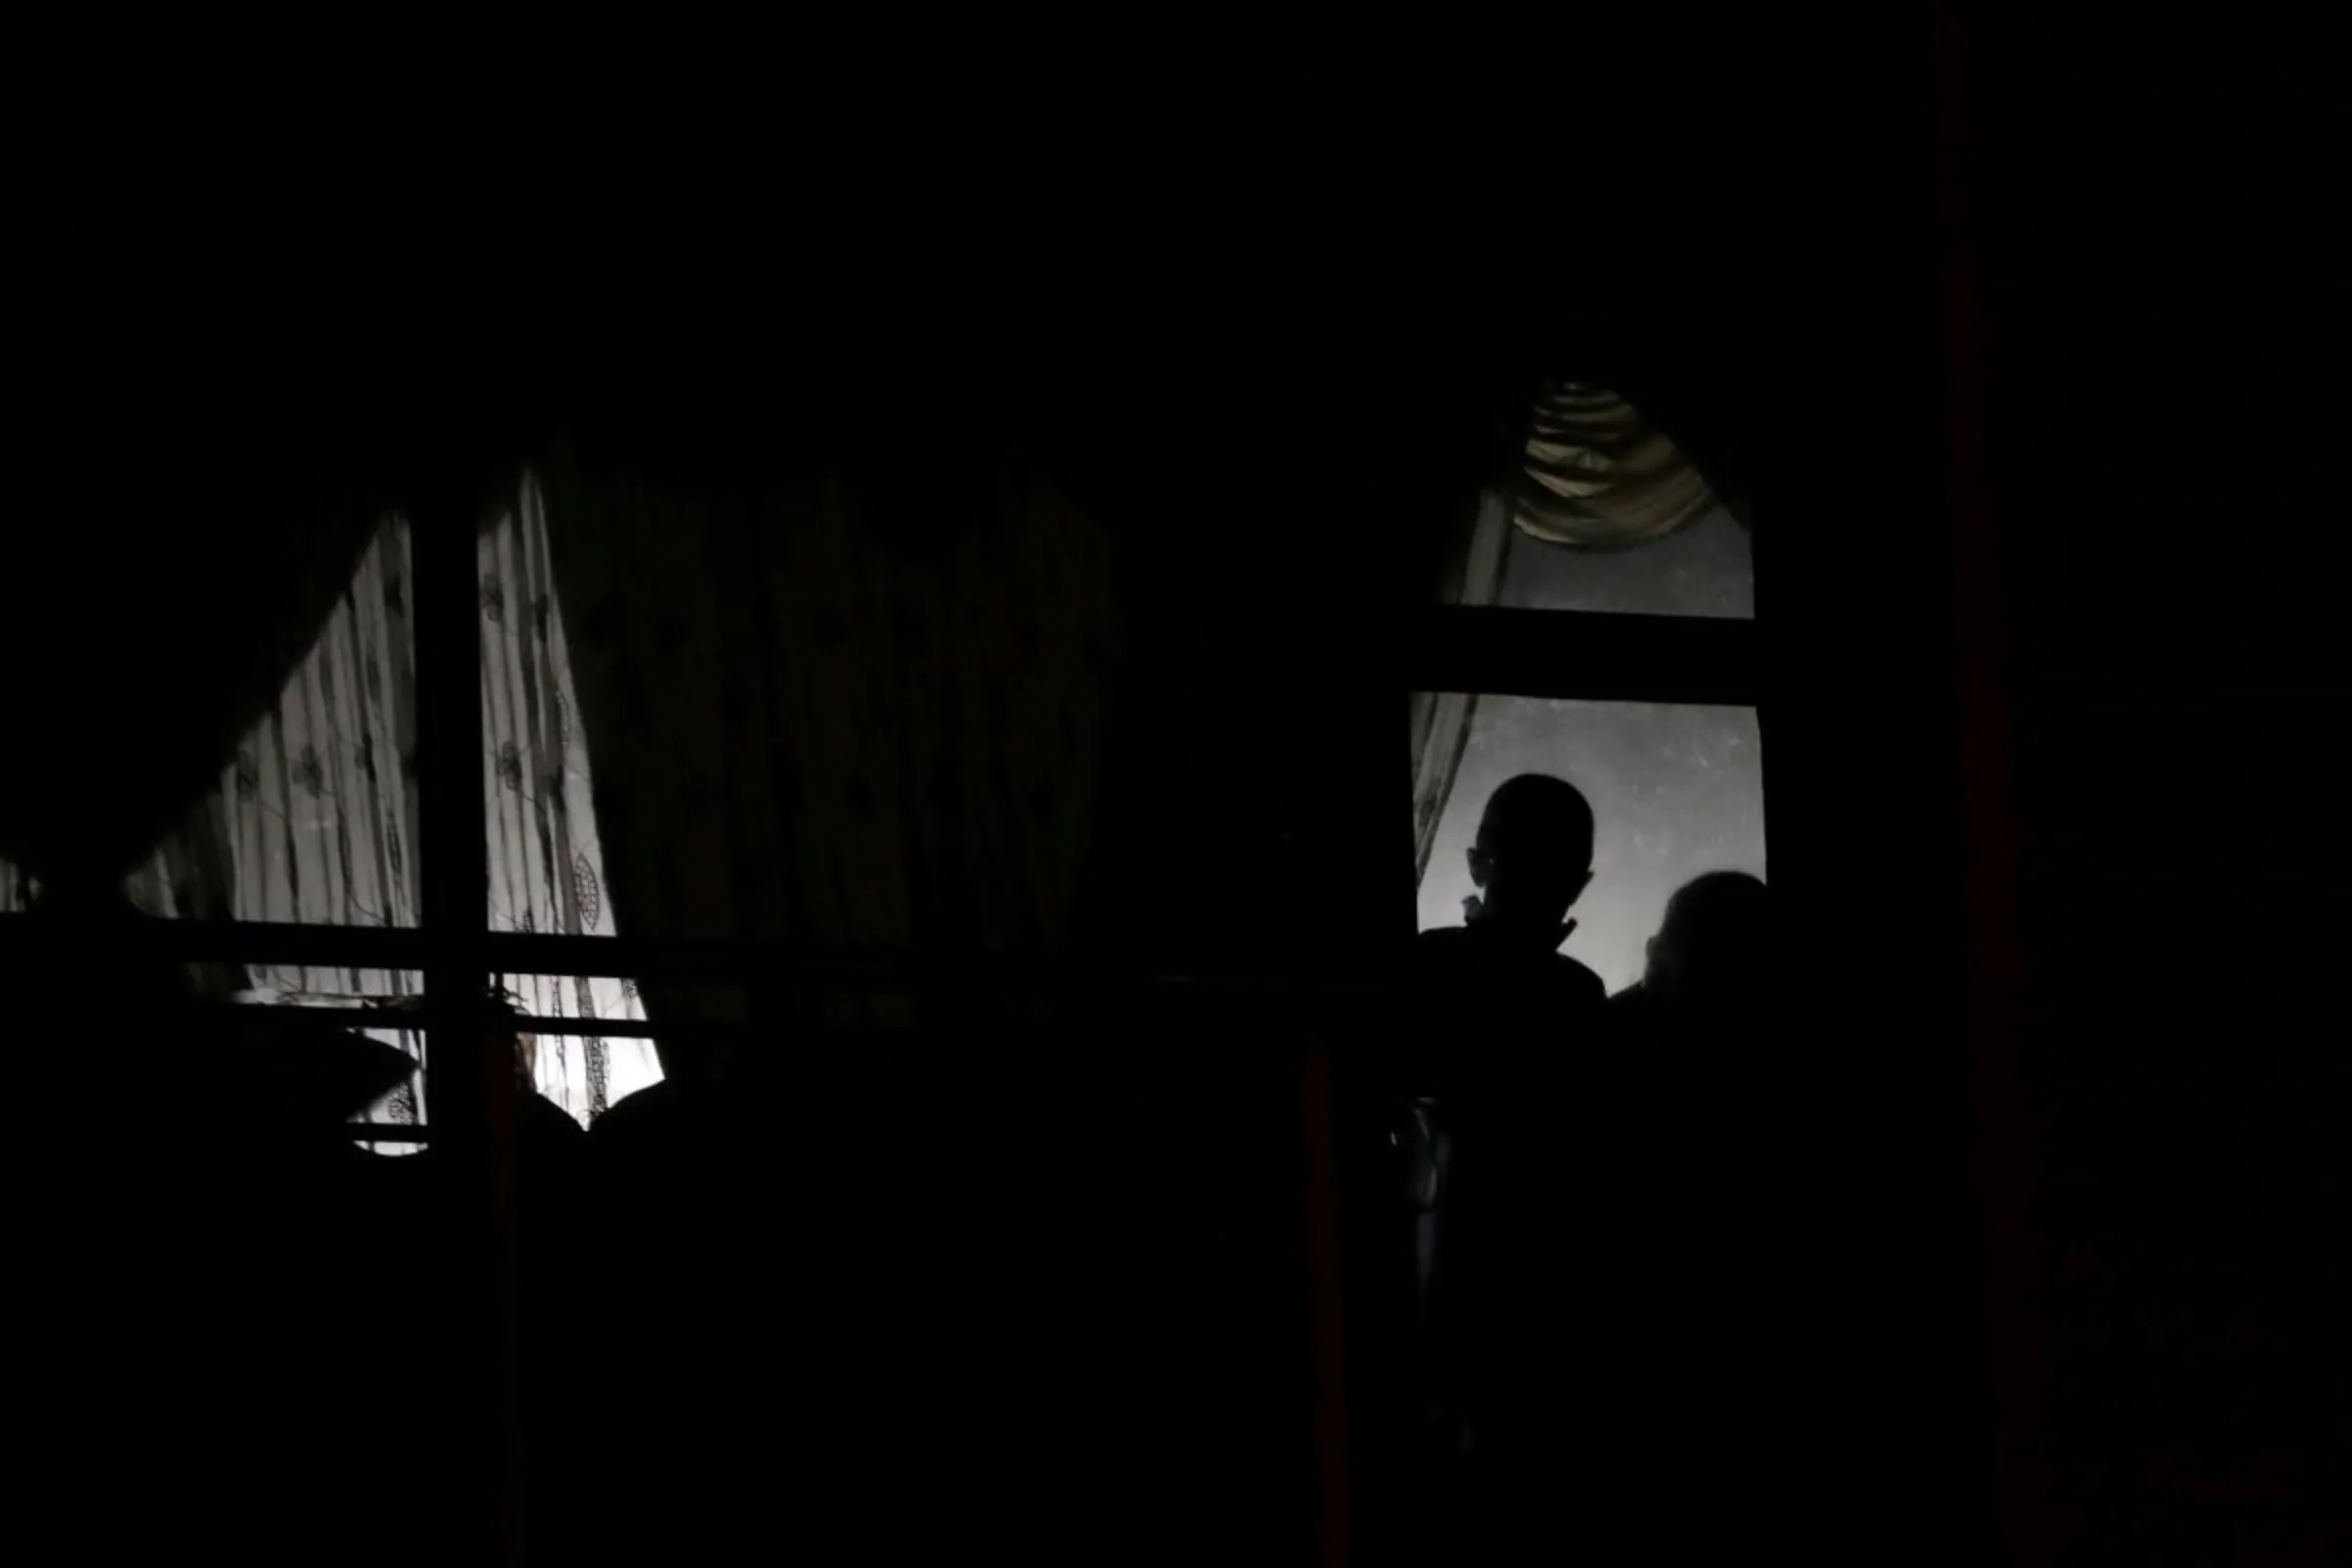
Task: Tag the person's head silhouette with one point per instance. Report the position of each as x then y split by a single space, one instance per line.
1533 858
1714 939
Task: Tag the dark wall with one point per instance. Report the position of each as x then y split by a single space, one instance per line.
1270 345
1881 1388
2163 218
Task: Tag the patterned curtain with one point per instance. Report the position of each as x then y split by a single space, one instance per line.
546 867
315 819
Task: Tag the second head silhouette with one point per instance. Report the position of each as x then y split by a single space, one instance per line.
1714 942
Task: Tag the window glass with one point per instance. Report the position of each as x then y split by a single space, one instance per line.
1705 569
1600 510
1676 791
372 999
546 869
313 819
585 1074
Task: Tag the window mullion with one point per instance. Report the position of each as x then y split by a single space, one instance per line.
1588 655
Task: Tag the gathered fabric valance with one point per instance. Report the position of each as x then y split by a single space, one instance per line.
1596 474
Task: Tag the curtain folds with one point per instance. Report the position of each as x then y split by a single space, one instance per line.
1440 720
1596 474
547 858
199 617
314 818
816 727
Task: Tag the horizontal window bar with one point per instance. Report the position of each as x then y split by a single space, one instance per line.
324 947
627 958
1602 658
390 1131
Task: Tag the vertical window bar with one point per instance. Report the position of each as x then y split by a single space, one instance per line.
469 1091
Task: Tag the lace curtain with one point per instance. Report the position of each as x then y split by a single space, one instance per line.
314 820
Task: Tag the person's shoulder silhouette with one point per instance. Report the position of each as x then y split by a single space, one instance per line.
1706 1090
1472 950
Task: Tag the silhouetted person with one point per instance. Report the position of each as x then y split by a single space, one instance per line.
1501 1010
1508 1029
1708 1221
1698 1048
1531 861
1710 960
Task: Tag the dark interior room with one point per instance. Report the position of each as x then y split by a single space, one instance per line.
841 803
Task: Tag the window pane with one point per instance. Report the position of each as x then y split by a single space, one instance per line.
1676 792
314 817
546 867
1601 511
16 889
547 870
318 985
367 994
1706 569
585 1074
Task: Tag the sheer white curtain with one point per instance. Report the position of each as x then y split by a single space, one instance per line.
1440 720
314 820
547 868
